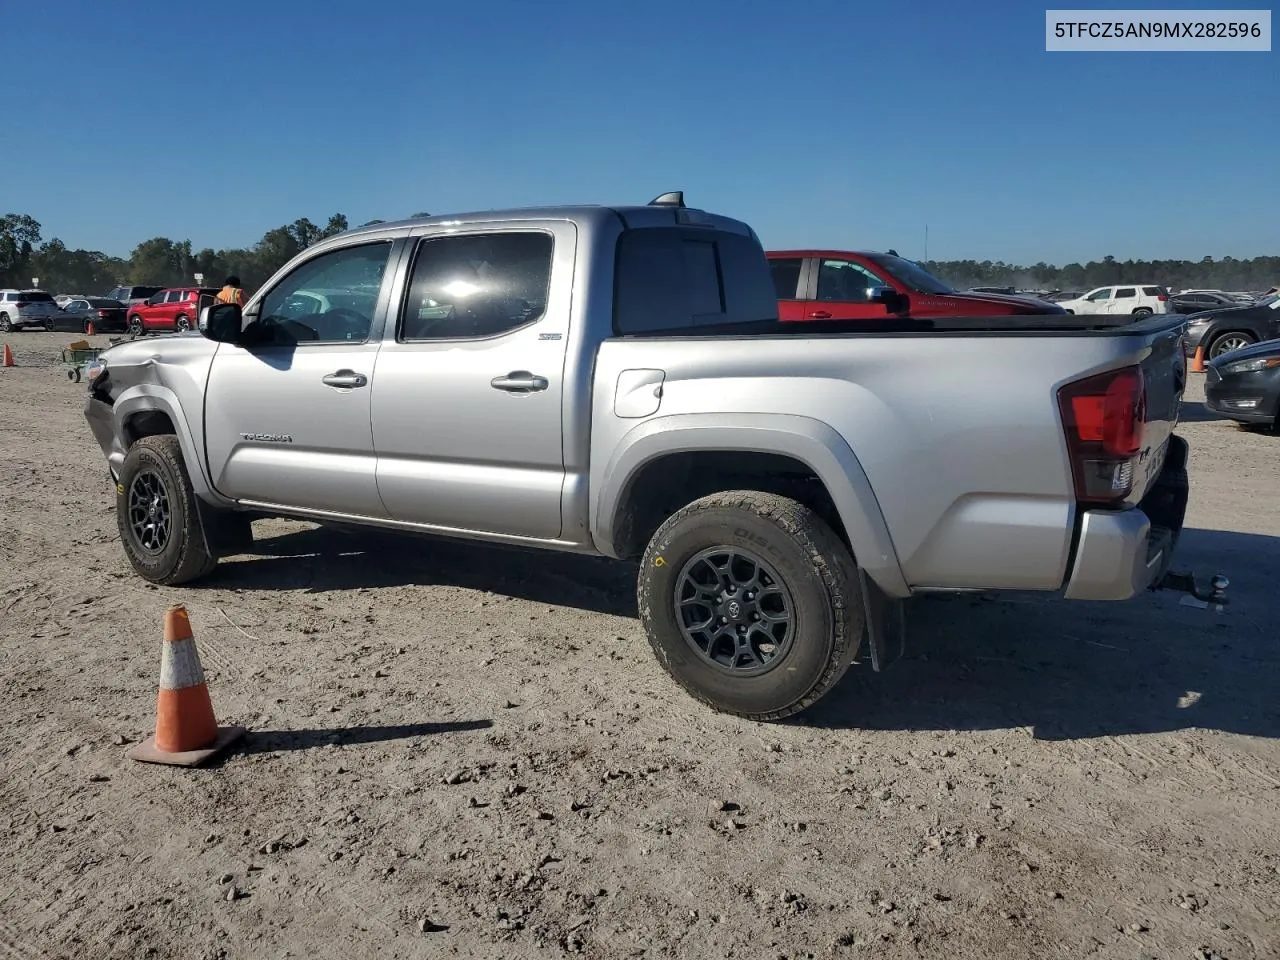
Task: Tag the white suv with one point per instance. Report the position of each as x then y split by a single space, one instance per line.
1139 300
26 308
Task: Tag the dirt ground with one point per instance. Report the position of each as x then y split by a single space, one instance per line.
464 751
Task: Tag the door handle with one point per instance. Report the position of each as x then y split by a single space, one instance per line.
519 381
819 315
345 378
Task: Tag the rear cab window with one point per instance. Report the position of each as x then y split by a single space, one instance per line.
786 277
677 277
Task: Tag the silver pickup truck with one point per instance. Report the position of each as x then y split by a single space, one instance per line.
615 381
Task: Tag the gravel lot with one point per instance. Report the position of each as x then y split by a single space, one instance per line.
467 751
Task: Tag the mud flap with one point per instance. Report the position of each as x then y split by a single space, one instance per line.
226 533
886 624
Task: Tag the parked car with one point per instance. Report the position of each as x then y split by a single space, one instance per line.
847 285
1222 331
134 294
22 309
107 316
1244 385
616 381
174 308
1200 301
63 298
1136 300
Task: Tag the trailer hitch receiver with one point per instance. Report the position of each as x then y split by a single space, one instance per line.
1214 594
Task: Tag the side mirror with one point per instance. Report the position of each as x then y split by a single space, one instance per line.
881 294
221 322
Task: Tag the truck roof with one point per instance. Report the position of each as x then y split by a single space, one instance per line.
632 215
832 253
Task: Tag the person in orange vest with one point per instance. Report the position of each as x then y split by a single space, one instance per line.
231 292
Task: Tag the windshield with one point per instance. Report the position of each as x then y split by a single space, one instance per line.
910 274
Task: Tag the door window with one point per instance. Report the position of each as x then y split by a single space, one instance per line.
845 282
1126 293
786 277
1097 295
476 286
329 299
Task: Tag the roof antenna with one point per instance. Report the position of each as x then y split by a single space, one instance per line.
673 199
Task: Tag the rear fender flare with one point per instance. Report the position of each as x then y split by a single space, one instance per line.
810 441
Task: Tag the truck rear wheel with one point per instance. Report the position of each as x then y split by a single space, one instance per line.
157 516
751 603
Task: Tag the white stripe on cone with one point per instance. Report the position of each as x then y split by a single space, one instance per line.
180 665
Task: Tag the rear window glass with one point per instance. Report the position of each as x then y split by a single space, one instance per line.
1153 291
35 297
673 277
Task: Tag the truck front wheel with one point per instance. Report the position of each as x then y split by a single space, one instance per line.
157 516
751 603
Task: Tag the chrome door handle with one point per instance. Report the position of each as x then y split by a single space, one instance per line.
345 378
519 381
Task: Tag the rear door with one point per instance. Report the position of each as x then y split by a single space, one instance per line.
1124 300
840 291
790 275
467 402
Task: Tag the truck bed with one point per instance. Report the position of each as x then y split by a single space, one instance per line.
954 423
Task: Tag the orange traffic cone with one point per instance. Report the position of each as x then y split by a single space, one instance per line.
1197 362
89 331
8 357
187 733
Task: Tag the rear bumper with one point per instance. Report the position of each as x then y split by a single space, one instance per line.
1122 553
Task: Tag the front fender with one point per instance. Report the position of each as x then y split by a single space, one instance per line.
155 398
810 441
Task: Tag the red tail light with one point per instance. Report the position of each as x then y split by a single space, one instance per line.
1162 298
102 314
1104 417
20 304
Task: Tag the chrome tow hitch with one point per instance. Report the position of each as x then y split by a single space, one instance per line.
1198 595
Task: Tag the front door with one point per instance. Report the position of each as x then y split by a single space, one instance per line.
467 402
841 292
1097 301
287 414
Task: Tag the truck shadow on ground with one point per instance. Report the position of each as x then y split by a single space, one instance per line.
1071 670
1064 669
322 559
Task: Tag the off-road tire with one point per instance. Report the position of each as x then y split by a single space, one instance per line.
810 560
5 324
185 555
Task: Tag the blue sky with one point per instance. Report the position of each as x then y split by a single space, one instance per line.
834 124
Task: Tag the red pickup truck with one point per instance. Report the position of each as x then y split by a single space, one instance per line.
847 285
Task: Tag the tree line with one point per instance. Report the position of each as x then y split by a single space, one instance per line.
1257 274
159 261
24 254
